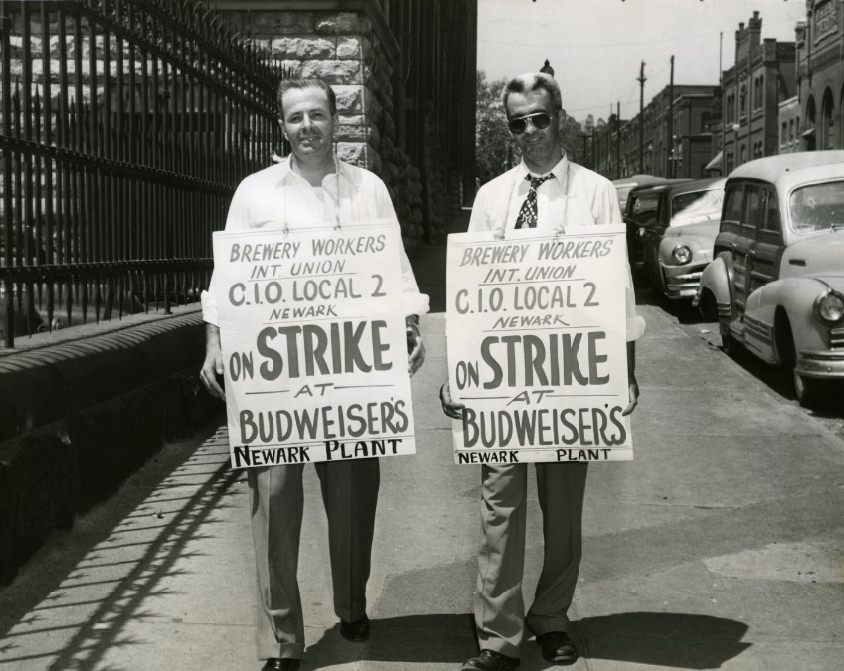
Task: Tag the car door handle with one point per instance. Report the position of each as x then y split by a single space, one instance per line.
752 252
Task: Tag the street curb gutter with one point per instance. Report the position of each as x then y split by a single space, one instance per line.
77 418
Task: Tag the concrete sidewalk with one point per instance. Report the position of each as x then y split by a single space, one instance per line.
720 546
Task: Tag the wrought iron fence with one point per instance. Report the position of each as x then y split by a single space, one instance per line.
125 126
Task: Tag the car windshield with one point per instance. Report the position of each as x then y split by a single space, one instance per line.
817 207
623 190
696 207
643 208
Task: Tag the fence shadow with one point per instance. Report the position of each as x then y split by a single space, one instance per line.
73 624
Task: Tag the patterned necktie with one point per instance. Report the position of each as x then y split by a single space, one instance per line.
527 215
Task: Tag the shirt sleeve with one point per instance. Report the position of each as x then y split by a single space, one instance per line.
416 302
609 211
236 220
479 219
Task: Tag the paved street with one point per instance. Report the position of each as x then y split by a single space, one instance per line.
720 546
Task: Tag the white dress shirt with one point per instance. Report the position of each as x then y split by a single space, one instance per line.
575 197
279 198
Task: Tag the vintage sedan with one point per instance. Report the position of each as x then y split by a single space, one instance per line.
777 280
624 185
685 247
645 206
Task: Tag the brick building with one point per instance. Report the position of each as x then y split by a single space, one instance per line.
820 75
763 76
677 133
404 74
789 122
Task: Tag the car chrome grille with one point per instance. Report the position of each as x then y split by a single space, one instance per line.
836 337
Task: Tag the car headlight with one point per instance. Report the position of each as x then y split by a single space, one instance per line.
829 307
681 255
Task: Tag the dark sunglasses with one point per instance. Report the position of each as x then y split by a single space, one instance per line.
540 121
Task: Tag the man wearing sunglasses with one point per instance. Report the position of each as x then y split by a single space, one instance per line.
548 192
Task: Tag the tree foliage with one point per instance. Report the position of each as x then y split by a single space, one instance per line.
495 151
493 147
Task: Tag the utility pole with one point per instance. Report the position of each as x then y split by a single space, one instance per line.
723 106
671 121
642 79
610 127
618 139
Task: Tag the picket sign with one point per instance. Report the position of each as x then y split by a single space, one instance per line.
536 345
312 331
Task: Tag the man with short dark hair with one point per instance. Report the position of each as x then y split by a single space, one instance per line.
548 192
310 188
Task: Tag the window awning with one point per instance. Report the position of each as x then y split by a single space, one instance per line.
808 132
715 163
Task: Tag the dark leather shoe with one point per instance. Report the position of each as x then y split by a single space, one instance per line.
557 647
489 660
356 631
281 664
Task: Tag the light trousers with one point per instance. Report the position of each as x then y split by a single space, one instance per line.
350 496
499 606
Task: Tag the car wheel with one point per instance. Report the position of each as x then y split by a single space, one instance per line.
728 343
807 390
707 307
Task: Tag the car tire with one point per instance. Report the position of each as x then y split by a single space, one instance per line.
728 343
807 390
707 307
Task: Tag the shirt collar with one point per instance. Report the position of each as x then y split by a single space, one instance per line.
559 170
285 174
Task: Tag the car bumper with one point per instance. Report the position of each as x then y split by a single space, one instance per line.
827 365
680 281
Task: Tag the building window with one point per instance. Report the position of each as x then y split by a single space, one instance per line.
827 121
784 133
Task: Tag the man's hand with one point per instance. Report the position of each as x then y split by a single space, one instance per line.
212 367
450 408
632 394
415 346
632 387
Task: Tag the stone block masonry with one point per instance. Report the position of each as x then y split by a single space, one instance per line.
344 49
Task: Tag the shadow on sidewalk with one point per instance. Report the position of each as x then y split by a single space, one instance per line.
409 639
671 640
136 554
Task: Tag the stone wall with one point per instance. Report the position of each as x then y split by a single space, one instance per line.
344 49
78 417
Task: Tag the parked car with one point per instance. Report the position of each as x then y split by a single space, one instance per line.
685 246
625 185
642 210
777 281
